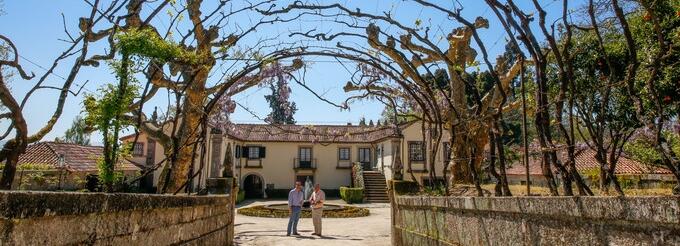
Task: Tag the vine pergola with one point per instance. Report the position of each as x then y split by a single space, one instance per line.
396 66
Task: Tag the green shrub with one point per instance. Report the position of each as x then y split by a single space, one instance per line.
438 190
241 196
352 195
402 187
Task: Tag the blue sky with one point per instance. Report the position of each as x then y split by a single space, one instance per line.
36 28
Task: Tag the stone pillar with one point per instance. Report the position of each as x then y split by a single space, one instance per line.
394 212
397 167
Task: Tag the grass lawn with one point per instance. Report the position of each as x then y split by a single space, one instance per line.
521 190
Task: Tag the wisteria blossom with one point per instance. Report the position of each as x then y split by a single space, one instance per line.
271 73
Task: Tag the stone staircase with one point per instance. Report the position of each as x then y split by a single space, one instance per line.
375 187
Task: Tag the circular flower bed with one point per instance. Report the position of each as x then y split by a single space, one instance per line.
272 212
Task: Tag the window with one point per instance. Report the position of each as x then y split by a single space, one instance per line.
447 151
416 151
150 152
344 154
365 155
305 154
253 152
138 150
305 157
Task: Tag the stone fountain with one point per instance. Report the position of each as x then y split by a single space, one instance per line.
307 192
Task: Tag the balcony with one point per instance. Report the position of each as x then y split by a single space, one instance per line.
299 164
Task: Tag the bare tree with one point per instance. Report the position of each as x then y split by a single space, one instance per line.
442 109
18 129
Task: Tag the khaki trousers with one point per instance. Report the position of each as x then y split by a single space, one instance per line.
316 219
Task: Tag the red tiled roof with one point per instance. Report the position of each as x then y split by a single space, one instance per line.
77 158
309 133
518 167
585 160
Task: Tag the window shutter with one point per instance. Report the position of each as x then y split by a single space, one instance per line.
262 152
237 151
244 151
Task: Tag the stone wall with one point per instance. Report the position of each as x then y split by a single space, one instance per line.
69 218
536 221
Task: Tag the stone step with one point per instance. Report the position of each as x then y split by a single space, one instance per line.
375 181
377 196
381 192
375 187
373 178
378 201
374 174
375 192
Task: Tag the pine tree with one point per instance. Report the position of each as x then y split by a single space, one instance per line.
362 121
282 110
77 134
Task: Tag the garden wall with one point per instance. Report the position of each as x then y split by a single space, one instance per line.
536 221
69 218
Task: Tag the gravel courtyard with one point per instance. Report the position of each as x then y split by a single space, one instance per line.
371 230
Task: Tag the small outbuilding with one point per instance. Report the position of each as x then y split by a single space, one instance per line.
62 166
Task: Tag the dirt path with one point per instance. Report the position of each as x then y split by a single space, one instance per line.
371 230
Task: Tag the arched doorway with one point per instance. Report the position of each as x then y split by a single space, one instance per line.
253 186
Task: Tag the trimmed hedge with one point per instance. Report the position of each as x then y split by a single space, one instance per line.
262 211
352 195
403 187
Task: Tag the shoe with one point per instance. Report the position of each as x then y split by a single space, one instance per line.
315 234
296 234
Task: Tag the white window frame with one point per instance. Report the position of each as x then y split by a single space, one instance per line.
348 152
253 152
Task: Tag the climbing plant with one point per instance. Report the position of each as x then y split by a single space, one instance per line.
105 112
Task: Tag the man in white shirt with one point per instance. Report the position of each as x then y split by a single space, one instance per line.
317 200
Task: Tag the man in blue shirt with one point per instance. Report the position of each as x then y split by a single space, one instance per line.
295 199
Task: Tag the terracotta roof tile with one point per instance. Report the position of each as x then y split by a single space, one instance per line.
77 158
309 133
585 160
